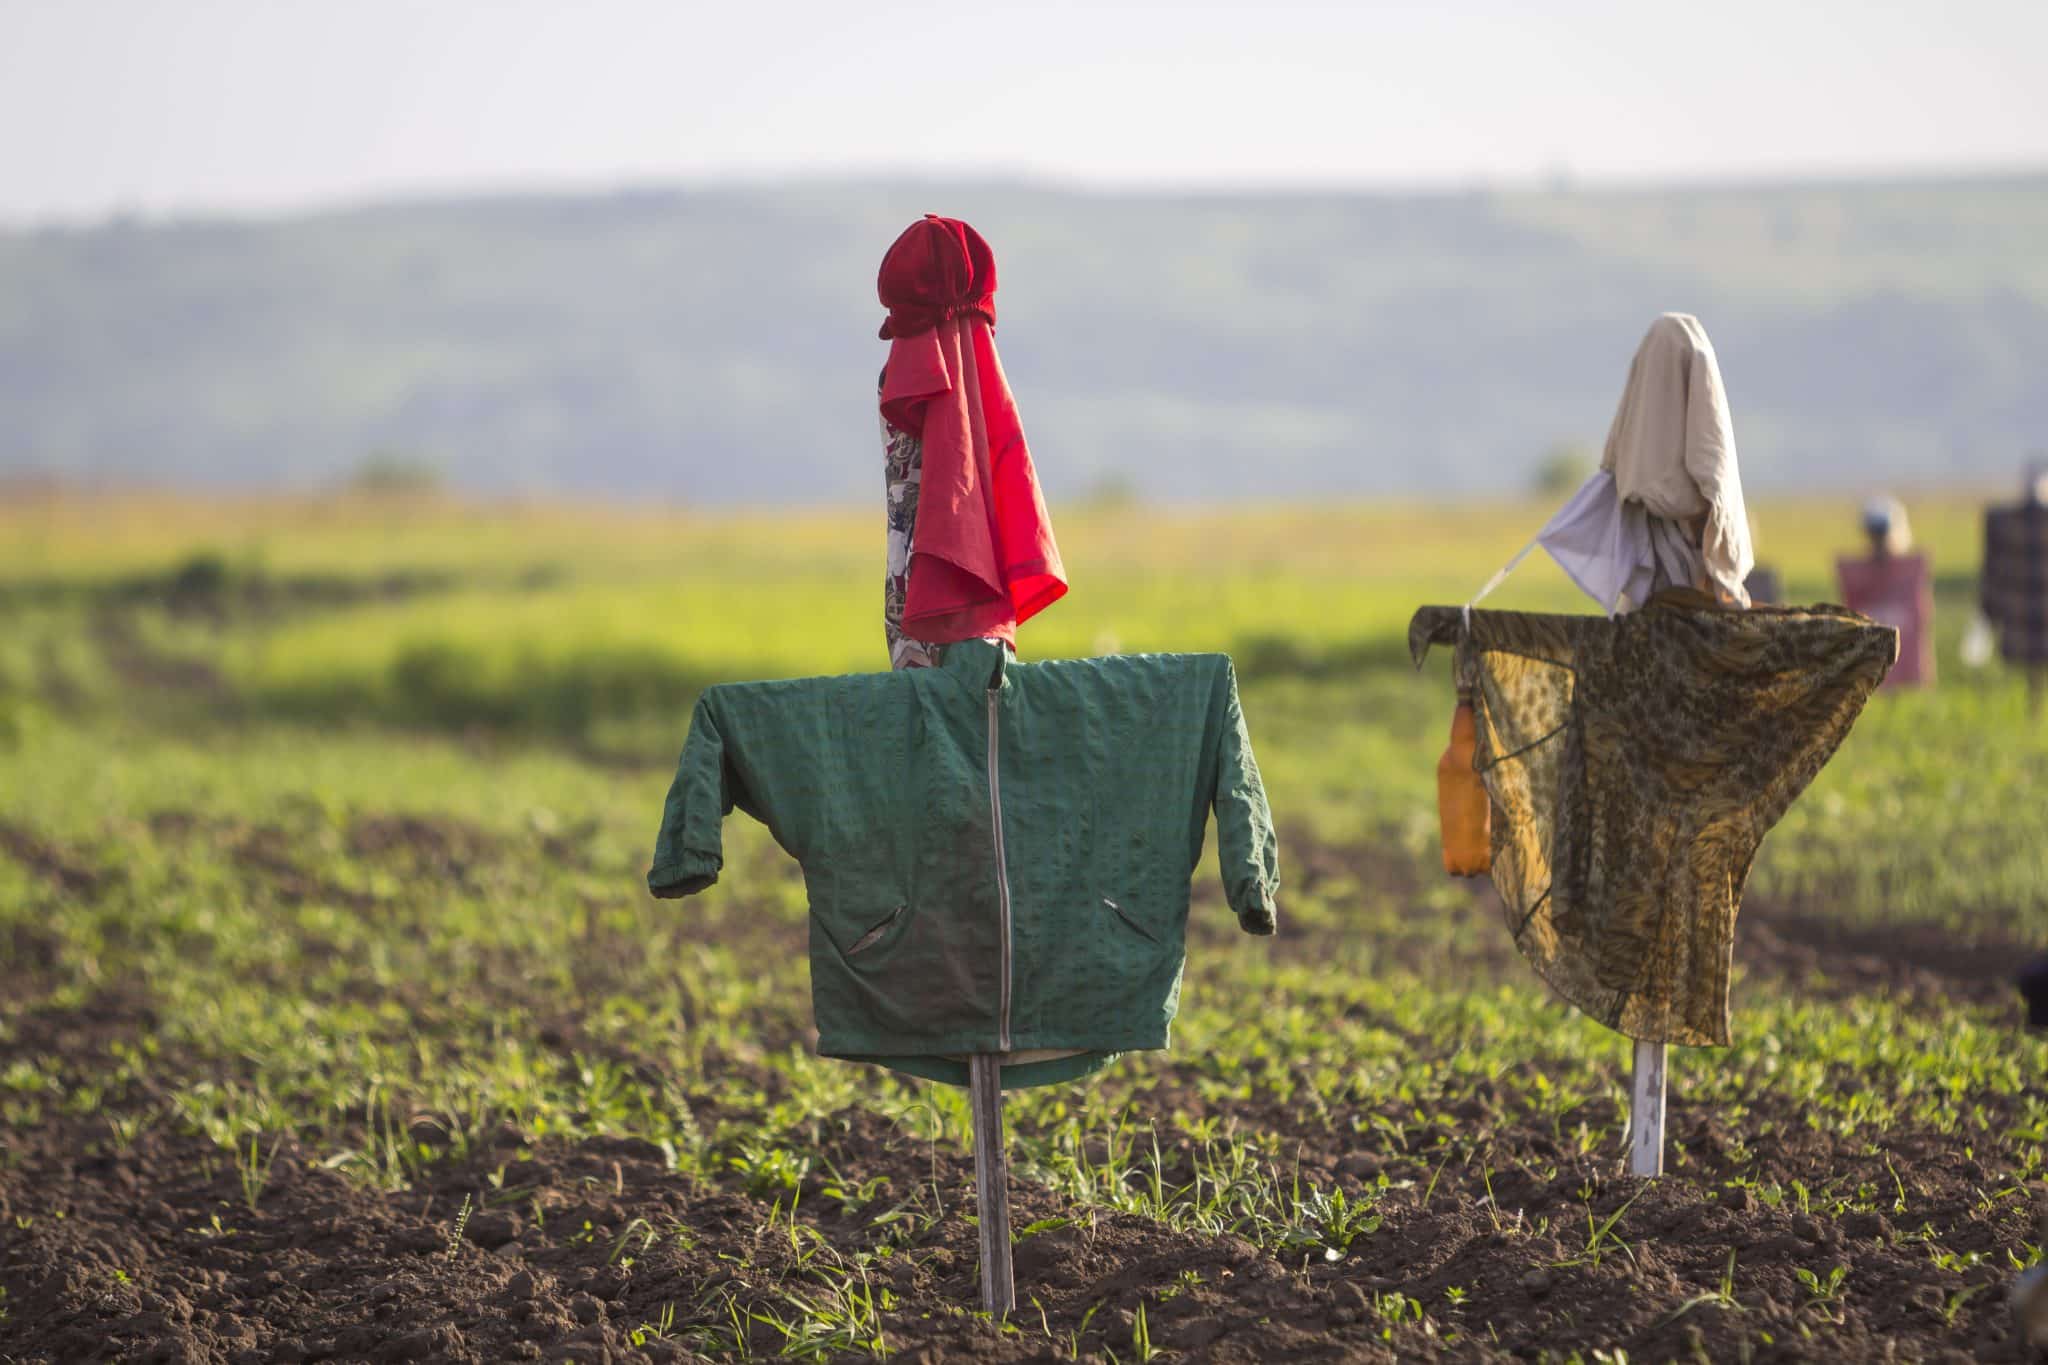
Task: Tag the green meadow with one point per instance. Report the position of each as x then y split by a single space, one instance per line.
331 816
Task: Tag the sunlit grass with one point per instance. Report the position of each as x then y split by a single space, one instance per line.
389 1006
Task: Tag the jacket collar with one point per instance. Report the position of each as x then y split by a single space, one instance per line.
979 664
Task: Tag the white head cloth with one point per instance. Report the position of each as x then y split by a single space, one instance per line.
1669 464
1672 449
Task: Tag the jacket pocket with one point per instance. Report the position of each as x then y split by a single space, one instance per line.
874 934
1130 923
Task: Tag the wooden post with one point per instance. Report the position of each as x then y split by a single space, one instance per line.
1646 1112
991 1182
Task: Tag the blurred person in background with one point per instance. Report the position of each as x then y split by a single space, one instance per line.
1894 586
1885 523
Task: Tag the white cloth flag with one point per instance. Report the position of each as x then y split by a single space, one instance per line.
1603 546
1615 551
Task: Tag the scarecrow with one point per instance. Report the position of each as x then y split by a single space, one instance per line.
1631 763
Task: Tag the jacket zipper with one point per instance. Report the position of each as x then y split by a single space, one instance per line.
995 808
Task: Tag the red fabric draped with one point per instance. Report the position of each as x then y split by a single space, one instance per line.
983 559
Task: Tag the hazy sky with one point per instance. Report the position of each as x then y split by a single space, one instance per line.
183 105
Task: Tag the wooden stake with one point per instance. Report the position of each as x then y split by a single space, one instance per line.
1646 1112
991 1182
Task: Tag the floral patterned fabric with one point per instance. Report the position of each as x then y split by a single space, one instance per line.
902 475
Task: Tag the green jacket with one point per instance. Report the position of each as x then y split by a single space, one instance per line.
997 854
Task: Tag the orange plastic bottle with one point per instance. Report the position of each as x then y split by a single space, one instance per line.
1462 806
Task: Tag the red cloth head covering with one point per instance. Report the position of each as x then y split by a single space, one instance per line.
938 269
982 556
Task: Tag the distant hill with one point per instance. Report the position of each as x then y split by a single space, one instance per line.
718 344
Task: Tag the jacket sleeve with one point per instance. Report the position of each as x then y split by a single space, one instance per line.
1245 845
688 852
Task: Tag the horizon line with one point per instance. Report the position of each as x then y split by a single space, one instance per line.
1558 182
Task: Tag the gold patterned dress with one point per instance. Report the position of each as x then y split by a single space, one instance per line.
1634 764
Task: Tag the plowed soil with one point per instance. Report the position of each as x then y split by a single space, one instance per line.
153 1250
154 1255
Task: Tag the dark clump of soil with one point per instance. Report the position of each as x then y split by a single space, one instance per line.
272 855
431 842
441 845
70 872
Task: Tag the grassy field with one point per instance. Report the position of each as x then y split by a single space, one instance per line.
339 1025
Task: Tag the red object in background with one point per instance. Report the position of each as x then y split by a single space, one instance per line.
982 559
1896 591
